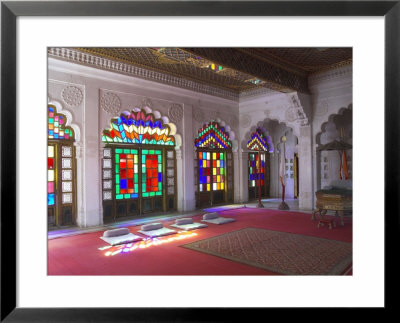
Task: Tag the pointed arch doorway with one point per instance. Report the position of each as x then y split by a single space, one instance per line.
213 166
139 166
258 165
61 170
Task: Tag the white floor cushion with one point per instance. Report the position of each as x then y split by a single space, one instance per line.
126 238
189 226
157 232
219 220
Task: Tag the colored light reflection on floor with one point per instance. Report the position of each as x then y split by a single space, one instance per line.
146 243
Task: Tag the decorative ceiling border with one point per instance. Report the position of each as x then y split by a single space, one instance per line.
341 71
82 58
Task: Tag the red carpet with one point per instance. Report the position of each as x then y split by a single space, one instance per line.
79 254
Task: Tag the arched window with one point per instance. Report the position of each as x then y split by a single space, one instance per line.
213 166
258 163
61 170
139 169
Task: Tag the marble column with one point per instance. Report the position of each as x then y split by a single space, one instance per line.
305 168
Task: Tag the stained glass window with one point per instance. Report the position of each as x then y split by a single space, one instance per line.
50 175
256 169
211 171
258 141
126 173
56 127
138 128
212 135
151 172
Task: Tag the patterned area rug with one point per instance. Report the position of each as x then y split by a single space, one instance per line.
279 252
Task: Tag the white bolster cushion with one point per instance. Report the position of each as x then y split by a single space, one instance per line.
116 232
152 226
184 221
209 216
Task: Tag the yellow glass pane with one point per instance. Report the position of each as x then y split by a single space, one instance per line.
50 151
214 171
218 163
50 175
208 187
218 186
204 163
214 156
222 186
218 179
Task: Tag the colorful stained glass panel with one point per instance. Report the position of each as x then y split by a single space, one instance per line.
126 174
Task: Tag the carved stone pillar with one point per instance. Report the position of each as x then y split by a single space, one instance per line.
80 216
91 175
305 168
243 181
187 197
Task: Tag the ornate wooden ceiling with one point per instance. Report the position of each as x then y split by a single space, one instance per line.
234 69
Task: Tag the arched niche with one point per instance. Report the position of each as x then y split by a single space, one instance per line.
339 127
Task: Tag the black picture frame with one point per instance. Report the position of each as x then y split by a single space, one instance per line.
10 10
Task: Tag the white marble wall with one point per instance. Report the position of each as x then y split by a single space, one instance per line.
90 98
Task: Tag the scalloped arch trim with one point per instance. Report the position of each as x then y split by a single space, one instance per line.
138 127
212 135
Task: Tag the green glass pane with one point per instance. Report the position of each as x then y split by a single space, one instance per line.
118 151
116 168
158 193
160 168
152 193
119 197
135 178
127 196
145 194
117 178
143 160
117 158
126 151
151 152
145 152
159 158
160 186
136 188
117 189
158 152
144 187
143 178
133 151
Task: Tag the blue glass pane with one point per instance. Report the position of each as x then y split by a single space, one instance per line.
123 183
50 199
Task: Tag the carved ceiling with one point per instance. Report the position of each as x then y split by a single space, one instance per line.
234 69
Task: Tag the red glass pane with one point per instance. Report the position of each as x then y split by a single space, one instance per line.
130 183
122 172
148 163
122 191
214 163
130 173
122 156
50 162
122 163
154 173
155 164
